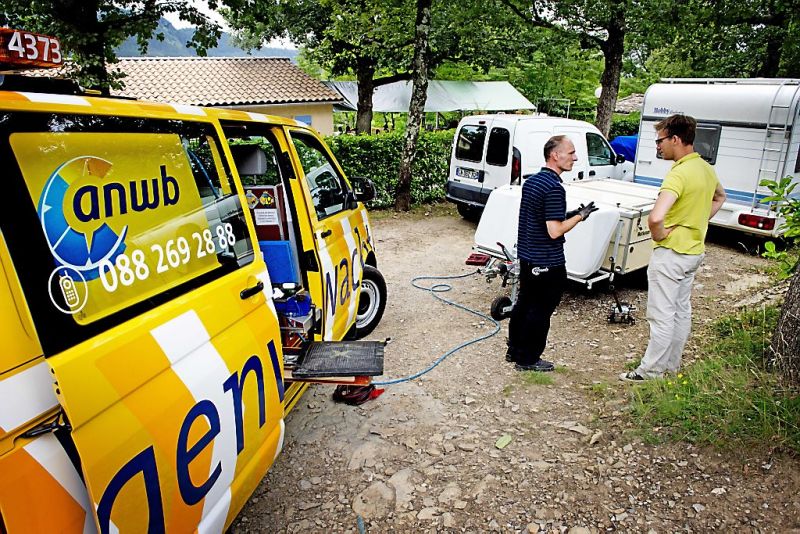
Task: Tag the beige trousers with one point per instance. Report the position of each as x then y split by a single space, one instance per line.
669 310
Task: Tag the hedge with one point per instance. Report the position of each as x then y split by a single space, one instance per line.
378 157
624 125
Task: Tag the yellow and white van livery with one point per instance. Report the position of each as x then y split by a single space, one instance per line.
172 279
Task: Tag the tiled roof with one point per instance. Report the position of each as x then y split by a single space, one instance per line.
630 103
212 81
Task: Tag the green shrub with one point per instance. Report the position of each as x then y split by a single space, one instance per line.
378 157
624 125
727 397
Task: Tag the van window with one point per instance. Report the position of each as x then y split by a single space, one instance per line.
109 217
599 151
469 145
328 192
497 151
706 141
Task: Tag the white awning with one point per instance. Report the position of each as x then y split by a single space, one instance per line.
442 96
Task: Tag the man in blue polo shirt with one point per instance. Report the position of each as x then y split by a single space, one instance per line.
540 249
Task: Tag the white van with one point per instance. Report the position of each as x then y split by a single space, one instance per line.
494 150
746 128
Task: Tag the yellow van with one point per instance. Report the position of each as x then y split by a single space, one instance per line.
172 279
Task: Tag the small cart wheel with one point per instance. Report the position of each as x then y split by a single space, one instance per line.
499 308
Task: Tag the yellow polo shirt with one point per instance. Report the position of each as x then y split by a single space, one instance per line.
693 181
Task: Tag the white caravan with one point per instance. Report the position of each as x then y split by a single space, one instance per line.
494 150
748 129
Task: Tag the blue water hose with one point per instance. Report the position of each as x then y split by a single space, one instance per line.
435 290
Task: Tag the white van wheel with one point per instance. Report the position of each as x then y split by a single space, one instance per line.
371 301
470 213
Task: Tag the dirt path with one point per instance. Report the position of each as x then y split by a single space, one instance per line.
423 455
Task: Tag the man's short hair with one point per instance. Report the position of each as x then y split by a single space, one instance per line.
683 126
552 144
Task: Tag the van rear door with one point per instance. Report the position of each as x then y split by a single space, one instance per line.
137 264
498 160
467 162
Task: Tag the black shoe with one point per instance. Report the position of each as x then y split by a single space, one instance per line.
632 376
510 357
540 366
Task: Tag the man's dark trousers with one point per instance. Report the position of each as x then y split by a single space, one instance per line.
539 295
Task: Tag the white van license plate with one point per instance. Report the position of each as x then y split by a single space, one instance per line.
468 173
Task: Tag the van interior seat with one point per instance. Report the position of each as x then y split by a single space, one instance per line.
250 160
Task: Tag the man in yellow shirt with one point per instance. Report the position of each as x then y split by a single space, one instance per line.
690 195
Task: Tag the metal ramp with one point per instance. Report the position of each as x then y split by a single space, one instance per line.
324 359
777 137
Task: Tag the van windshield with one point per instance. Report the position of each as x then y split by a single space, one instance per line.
112 216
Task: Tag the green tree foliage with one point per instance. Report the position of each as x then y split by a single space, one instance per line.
345 37
90 30
596 24
372 40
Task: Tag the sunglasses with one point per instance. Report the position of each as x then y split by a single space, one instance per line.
660 140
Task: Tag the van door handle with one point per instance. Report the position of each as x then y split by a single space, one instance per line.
592 173
325 233
580 175
248 292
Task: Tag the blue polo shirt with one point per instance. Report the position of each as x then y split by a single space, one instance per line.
543 199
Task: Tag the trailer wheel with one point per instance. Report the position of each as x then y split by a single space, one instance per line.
498 305
470 213
371 301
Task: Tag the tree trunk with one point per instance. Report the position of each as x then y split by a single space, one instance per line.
776 36
416 108
785 347
365 71
613 48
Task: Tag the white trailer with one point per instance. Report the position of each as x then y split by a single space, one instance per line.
748 129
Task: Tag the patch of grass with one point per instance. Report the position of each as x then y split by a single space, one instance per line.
508 389
535 378
601 390
633 364
417 211
727 397
562 370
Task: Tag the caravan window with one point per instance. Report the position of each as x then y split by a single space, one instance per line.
497 151
706 141
469 146
599 151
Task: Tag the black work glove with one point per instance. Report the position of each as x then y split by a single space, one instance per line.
573 213
587 210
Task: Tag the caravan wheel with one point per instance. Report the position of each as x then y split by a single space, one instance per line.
501 308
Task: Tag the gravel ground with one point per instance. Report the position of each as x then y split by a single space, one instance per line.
423 456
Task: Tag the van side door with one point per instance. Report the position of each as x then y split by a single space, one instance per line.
137 263
580 171
602 159
340 233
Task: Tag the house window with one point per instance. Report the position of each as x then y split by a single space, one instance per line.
305 119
